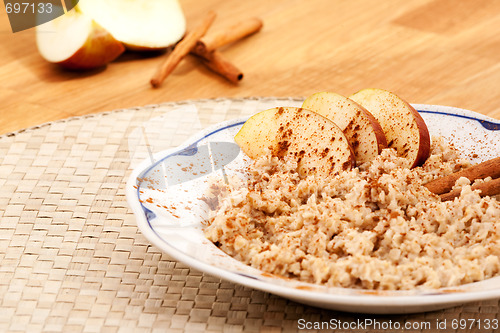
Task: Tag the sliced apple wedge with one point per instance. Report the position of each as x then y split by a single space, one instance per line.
359 126
75 41
139 24
315 142
404 128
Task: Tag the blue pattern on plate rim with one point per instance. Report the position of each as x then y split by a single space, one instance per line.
192 149
489 125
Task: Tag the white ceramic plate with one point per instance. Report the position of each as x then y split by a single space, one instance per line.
165 194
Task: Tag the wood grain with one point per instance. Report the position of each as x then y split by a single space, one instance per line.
436 52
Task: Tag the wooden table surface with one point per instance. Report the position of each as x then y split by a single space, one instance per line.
428 51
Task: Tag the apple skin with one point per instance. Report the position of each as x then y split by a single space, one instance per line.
403 126
75 41
359 126
318 146
99 49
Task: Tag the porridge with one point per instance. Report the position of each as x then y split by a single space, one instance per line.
375 226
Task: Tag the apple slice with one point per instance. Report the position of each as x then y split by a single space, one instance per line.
139 24
359 126
315 142
75 41
404 128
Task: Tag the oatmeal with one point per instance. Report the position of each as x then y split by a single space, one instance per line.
375 226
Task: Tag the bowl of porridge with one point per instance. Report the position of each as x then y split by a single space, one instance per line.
369 238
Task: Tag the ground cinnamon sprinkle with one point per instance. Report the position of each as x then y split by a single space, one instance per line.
374 227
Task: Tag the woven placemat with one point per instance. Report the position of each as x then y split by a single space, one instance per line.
73 260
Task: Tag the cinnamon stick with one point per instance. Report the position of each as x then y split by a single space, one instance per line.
490 188
490 168
182 49
228 35
206 48
216 62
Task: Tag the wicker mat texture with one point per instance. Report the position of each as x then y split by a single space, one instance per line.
73 260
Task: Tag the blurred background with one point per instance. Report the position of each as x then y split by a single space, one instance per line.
427 51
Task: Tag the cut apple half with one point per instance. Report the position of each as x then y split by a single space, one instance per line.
404 128
75 41
359 126
139 24
317 145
